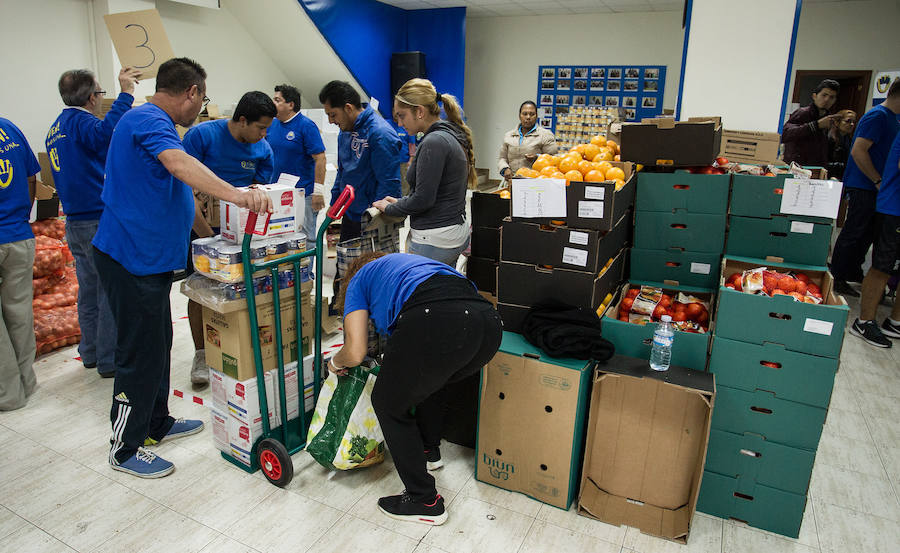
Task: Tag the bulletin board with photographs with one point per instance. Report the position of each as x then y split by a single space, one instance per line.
636 89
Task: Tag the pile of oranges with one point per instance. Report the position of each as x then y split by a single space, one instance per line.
585 162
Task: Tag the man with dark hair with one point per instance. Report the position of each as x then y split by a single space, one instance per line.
368 155
77 144
299 151
234 150
141 239
871 144
805 134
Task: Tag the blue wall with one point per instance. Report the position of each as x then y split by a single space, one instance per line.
364 34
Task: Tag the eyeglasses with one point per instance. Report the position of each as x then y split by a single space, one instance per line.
99 92
205 100
850 121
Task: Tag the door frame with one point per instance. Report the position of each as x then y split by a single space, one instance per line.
865 75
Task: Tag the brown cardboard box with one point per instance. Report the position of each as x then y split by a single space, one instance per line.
210 207
46 171
646 446
750 146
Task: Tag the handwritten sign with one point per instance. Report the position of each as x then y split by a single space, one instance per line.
140 40
539 198
817 198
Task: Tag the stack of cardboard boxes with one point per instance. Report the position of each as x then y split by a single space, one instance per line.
488 212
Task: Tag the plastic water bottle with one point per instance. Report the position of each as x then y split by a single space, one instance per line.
661 353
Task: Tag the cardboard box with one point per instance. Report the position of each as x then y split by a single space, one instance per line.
289 209
243 400
526 285
765 462
758 505
46 170
217 391
679 229
490 297
676 268
564 247
757 196
646 446
786 238
754 147
489 210
241 437
486 243
634 340
662 141
211 208
777 420
483 272
682 190
46 202
789 375
512 316
531 421
798 326
219 422
592 205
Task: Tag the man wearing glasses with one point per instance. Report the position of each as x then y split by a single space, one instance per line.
77 144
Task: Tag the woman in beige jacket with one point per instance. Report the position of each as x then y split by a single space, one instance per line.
523 144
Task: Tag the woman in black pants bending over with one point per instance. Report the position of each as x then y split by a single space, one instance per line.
440 330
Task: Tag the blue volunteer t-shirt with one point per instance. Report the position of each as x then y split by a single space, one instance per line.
17 164
889 193
294 142
234 162
879 125
382 286
148 215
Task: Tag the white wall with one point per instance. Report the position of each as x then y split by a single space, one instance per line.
503 54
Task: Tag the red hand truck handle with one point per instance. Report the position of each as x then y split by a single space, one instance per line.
250 227
343 202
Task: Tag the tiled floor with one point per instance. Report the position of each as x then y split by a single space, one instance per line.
58 494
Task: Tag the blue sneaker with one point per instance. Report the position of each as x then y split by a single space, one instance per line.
180 429
144 464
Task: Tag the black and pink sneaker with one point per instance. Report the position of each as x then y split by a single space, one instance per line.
402 507
433 458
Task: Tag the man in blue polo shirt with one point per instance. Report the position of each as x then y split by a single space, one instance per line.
885 258
234 150
874 135
18 168
142 238
368 156
77 144
299 151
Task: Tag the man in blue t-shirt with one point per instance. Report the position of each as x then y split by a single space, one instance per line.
368 156
142 238
77 144
235 151
18 168
874 135
299 151
885 258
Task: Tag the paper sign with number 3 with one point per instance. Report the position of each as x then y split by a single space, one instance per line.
140 40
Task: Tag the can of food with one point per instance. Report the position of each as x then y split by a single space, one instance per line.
231 268
200 253
276 248
296 243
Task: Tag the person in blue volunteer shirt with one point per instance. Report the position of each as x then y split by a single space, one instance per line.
77 144
875 133
142 238
299 151
18 168
440 331
368 155
234 150
885 258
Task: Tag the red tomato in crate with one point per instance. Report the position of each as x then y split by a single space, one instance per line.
800 287
679 316
665 301
626 304
694 310
786 283
633 293
659 312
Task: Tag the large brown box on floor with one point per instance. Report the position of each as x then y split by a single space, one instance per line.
646 446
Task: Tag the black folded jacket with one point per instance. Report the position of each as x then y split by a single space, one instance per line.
561 330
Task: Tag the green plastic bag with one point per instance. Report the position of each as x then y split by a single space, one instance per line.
344 433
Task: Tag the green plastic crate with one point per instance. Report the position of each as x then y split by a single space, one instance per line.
786 237
683 190
759 506
768 463
696 232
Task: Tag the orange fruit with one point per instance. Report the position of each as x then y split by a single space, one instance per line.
584 166
614 173
557 175
620 184
598 140
591 151
613 146
594 176
554 160
540 164
603 166
505 194
604 155
527 173
617 157
569 163
580 149
548 170
574 175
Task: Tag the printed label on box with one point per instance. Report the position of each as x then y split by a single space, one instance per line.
581 238
594 193
590 210
700 268
574 256
801 227
817 326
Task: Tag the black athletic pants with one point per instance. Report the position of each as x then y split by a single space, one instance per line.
856 237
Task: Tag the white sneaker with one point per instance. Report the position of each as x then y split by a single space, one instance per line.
199 370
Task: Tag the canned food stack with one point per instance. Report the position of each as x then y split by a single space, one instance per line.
222 260
581 123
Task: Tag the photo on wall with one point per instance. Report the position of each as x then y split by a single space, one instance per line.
596 100
581 84
632 73
547 111
565 72
651 86
581 72
547 85
548 73
546 99
562 99
631 85
651 73
546 123
562 110
579 100
614 85
563 84
630 114
649 102
597 84
612 101
598 73
615 73
629 101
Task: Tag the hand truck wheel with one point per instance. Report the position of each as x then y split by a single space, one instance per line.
275 462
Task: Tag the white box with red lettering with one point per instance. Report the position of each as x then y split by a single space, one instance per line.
288 209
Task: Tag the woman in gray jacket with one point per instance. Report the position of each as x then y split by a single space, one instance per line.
443 166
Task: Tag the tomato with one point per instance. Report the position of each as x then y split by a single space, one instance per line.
802 277
800 287
633 293
659 311
679 316
814 289
626 304
720 161
665 301
693 311
786 283
703 317
623 318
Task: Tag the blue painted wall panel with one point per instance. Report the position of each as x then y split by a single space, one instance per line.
441 35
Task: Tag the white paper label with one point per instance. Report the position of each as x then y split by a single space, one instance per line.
700 268
539 198
801 227
574 256
817 326
819 198
594 193
590 210
581 238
